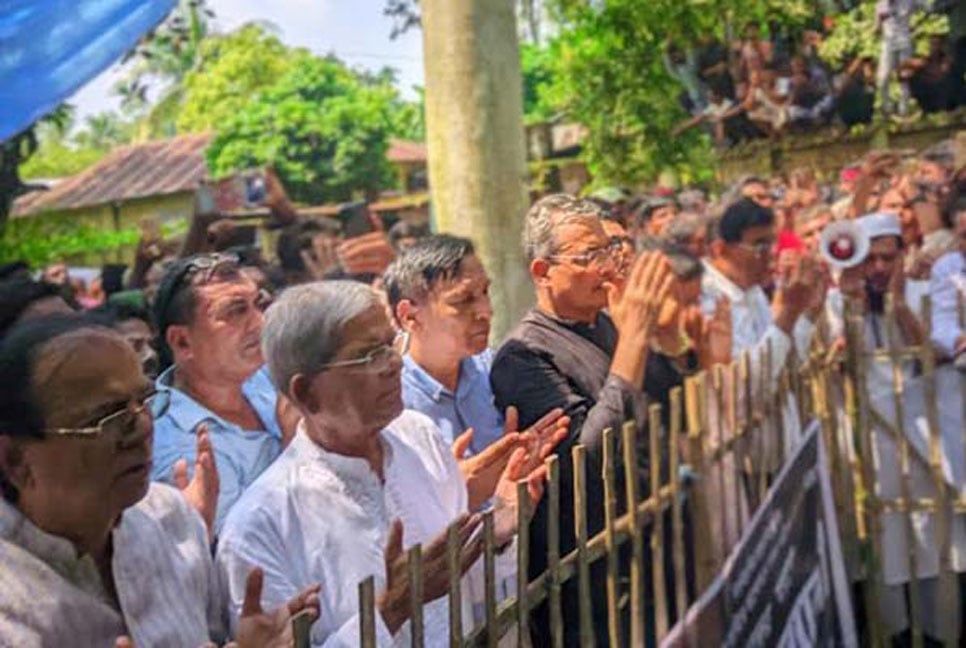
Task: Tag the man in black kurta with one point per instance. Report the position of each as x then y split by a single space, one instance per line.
567 353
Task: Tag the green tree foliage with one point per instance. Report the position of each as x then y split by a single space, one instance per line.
323 127
163 59
608 75
536 65
854 34
232 69
41 241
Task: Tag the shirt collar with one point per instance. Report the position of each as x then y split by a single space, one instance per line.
188 413
420 379
343 466
730 289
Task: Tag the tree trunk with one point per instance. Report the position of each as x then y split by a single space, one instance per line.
477 156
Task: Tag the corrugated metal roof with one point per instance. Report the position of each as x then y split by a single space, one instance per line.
135 171
403 151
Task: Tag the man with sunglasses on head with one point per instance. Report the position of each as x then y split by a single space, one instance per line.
91 552
209 317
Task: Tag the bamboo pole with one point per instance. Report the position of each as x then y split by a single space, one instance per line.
866 499
523 565
948 595
610 513
367 613
657 527
489 579
453 560
415 565
704 557
677 521
915 592
637 545
583 561
553 551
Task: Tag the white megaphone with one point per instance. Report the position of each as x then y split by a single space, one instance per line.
844 244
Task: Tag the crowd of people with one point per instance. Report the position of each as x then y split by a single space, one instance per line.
763 86
220 445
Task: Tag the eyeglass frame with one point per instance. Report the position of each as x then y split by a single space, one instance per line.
372 357
760 249
589 257
146 404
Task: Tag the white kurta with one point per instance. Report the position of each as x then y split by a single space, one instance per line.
163 574
895 542
753 330
318 517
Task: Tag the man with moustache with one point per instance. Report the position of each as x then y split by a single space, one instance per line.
209 317
91 552
569 353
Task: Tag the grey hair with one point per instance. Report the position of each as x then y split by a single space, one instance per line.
304 327
683 227
547 215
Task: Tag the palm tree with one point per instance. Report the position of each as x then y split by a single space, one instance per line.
164 56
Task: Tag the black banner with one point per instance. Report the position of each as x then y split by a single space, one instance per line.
784 584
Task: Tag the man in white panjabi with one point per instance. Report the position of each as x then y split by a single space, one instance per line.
90 552
741 262
868 285
361 481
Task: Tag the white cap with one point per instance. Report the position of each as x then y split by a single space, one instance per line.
880 224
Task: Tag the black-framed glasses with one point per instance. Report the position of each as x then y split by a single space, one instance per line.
379 358
122 423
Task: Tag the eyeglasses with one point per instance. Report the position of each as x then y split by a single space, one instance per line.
379 358
121 423
595 256
759 249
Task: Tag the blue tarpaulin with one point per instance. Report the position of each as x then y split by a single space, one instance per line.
50 48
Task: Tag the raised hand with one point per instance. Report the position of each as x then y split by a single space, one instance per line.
716 339
369 253
202 491
482 471
322 258
394 603
273 629
521 467
634 311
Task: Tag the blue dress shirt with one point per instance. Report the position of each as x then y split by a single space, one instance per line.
240 455
470 407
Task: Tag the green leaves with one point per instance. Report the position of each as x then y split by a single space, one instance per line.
324 128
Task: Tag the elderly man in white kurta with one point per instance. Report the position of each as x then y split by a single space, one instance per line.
90 552
361 480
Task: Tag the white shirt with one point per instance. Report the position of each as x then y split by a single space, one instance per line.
752 326
753 330
946 282
318 517
163 574
879 378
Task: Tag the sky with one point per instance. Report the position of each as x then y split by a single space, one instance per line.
355 30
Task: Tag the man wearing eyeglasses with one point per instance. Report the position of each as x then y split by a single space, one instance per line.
741 264
569 353
209 317
90 550
362 480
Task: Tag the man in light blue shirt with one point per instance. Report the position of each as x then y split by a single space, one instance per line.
209 319
439 293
